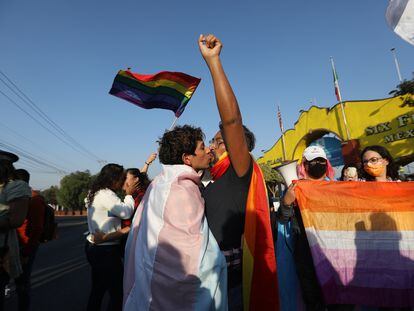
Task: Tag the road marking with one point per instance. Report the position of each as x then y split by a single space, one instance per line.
43 276
59 276
40 280
61 264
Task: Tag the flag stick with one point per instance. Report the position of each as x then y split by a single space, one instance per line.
173 124
279 115
283 147
341 102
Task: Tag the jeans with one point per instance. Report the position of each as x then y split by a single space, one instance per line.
107 273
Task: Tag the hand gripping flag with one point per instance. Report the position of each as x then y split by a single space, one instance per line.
165 90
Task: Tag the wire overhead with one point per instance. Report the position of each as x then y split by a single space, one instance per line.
38 146
58 132
32 157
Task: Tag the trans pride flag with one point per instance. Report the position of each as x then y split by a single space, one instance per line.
172 260
165 90
361 236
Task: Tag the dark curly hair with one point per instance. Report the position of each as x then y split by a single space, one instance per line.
181 140
248 134
109 175
392 169
144 181
7 171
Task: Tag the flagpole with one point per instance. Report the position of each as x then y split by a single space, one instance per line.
173 124
279 115
397 65
340 100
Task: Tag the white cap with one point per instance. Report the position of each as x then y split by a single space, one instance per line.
313 152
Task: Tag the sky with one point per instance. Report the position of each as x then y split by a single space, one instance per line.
63 55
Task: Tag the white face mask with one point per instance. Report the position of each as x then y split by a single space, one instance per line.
350 174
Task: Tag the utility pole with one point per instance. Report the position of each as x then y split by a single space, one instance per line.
397 65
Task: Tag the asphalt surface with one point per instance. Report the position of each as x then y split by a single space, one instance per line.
61 274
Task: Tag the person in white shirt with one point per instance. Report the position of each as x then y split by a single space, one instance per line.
105 211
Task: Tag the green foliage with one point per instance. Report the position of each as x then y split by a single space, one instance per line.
73 190
272 178
405 87
50 195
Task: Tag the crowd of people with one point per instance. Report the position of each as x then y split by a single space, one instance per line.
22 218
376 165
168 241
175 243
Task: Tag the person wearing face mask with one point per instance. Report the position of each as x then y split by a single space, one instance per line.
350 172
292 239
378 164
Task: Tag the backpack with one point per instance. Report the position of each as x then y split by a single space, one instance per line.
49 225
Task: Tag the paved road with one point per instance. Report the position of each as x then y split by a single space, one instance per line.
61 274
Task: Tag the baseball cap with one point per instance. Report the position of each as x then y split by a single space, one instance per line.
313 152
8 156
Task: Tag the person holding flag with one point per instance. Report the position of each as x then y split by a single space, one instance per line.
236 202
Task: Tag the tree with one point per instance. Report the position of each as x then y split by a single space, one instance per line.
73 190
272 178
405 87
50 195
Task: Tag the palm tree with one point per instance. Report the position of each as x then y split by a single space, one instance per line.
405 87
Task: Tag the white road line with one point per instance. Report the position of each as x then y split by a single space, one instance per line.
59 276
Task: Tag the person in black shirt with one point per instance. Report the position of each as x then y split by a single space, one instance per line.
225 198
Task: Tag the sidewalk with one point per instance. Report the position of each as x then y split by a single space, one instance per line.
70 214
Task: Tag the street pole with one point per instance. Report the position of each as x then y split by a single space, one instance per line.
279 116
397 65
340 101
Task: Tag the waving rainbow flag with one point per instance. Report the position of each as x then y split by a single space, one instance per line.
165 90
361 236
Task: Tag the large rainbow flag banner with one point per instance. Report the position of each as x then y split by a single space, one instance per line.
165 90
361 236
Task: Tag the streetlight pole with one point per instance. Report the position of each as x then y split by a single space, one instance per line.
397 65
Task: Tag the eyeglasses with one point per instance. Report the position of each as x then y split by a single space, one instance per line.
216 142
373 160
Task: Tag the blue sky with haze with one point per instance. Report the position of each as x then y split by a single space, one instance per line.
65 54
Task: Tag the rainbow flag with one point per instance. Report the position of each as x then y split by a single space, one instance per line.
165 90
361 236
260 286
